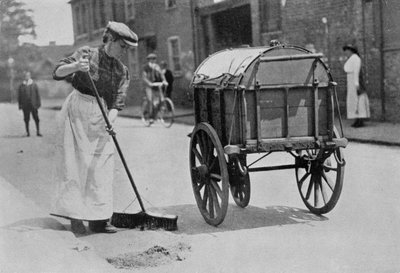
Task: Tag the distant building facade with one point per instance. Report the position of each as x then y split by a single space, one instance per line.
40 61
185 32
323 26
163 26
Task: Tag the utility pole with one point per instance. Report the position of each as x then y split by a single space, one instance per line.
382 61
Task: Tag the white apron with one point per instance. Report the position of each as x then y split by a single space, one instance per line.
87 163
357 106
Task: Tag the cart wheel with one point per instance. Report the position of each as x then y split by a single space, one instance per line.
210 178
145 113
239 184
320 181
167 112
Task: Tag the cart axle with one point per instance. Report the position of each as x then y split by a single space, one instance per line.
273 168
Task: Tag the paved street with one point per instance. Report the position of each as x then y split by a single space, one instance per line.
274 234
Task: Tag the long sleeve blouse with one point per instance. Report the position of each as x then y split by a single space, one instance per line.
353 66
110 76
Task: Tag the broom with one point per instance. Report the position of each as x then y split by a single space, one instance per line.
141 219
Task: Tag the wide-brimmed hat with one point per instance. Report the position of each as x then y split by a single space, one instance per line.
350 47
151 56
124 32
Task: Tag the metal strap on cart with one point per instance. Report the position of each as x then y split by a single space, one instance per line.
290 57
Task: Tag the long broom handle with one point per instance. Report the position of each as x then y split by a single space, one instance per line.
109 127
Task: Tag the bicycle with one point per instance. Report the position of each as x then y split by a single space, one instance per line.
163 110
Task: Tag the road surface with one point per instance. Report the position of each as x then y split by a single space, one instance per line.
275 233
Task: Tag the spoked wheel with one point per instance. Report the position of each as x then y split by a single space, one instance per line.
167 112
239 183
145 113
210 178
320 180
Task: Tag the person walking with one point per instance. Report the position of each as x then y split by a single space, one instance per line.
85 190
29 101
169 77
357 101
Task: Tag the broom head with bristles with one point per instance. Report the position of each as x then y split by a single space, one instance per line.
144 220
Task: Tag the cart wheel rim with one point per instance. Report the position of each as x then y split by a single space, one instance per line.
167 112
320 181
210 178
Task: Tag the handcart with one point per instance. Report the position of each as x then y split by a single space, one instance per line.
261 100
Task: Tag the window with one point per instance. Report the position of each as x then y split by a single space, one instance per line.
174 51
95 15
103 20
129 10
270 14
84 19
114 10
150 43
169 4
133 62
78 21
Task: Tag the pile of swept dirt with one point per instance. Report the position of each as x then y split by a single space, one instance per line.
152 257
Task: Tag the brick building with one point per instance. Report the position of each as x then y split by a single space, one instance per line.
324 26
185 32
89 19
163 26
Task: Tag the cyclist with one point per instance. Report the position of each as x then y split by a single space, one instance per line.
153 80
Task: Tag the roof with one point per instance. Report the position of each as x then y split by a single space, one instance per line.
54 53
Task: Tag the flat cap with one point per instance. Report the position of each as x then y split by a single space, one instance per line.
125 33
151 56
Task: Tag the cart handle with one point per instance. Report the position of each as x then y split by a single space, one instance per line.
291 57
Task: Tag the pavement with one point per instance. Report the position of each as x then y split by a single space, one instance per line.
374 132
32 241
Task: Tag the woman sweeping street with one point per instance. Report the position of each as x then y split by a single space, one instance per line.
357 103
85 190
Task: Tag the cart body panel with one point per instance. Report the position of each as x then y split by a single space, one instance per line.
259 95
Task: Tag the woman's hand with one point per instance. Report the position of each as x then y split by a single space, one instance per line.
82 64
112 115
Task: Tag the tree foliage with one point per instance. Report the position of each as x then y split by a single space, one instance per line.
15 21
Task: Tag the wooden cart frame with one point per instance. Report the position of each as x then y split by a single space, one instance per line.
267 100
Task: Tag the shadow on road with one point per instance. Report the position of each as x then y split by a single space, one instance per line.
190 220
36 223
54 108
14 136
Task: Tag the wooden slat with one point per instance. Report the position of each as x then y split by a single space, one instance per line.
286 123
316 117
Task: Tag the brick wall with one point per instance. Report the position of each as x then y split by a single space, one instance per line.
347 21
153 19
392 85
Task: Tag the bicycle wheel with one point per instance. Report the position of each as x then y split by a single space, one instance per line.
146 116
167 112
